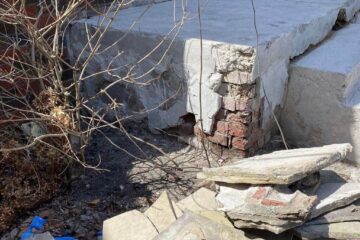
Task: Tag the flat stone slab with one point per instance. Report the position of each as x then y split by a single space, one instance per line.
335 195
340 231
280 167
263 207
132 225
191 226
349 213
163 212
201 200
324 91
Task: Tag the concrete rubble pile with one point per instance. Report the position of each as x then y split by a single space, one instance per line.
291 191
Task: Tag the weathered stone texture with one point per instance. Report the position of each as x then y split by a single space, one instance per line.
280 167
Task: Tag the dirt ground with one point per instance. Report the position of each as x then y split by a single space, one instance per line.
133 177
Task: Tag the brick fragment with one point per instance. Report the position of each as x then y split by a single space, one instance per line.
222 127
237 129
229 103
219 138
240 143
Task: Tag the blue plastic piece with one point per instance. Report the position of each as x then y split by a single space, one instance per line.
37 223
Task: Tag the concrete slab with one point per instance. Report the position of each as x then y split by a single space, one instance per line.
231 55
201 200
195 227
340 231
274 209
323 99
335 195
163 212
132 225
280 167
349 213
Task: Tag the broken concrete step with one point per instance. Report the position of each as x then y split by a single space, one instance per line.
322 105
201 200
132 225
231 58
339 231
335 195
163 212
191 226
349 213
275 209
280 167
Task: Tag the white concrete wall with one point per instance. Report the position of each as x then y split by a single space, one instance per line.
323 99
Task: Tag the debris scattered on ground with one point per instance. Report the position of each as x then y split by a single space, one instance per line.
280 167
236 210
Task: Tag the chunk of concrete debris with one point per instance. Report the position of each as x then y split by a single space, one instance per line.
275 209
163 212
346 214
132 225
191 226
335 195
201 200
340 231
280 167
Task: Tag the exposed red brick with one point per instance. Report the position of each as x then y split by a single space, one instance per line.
243 104
229 103
222 127
219 138
240 117
238 129
240 143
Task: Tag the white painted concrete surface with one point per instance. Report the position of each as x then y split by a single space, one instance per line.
285 29
323 99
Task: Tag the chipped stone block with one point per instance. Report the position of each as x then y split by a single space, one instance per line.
196 227
163 212
335 195
280 167
201 200
274 209
340 231
132 225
